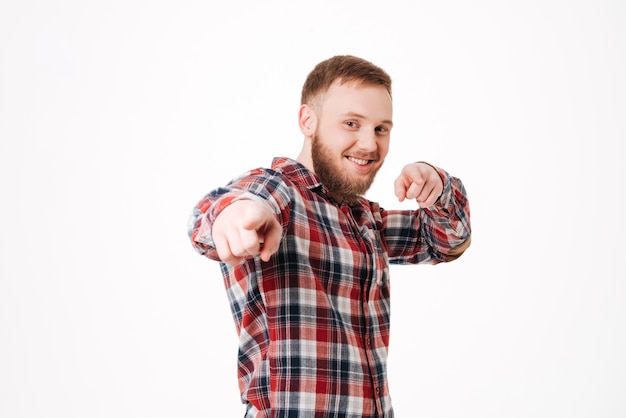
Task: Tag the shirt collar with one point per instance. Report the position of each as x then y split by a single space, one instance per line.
297 172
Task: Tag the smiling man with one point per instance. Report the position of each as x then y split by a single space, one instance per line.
305 257
346 138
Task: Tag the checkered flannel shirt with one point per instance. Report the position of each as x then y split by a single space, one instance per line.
313 321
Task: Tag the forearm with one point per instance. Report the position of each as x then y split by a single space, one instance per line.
436 234
446 224
257 185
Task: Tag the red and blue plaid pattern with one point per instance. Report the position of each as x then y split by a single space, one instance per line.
313 322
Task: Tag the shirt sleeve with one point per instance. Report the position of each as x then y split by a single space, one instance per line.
262 185
439 233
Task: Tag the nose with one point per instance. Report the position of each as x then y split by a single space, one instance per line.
368 142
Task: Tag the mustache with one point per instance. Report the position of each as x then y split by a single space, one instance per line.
361 155
374 156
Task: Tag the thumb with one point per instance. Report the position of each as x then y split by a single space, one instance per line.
255 218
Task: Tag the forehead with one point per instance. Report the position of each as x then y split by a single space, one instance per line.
371 101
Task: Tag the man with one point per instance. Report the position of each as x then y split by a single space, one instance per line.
305 257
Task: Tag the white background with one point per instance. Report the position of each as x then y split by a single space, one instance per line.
116 117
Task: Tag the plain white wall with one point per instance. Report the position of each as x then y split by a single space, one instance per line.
116 117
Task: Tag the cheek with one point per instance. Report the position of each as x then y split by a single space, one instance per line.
338 139
383 148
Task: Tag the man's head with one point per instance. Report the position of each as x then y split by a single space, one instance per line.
345 68
346 118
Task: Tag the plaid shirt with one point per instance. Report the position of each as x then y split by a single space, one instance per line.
313 322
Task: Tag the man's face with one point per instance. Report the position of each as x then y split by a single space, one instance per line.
352 138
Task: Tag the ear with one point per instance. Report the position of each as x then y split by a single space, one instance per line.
307 120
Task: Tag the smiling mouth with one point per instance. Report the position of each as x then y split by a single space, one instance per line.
359 161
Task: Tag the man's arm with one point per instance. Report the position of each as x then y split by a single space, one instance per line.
241 220
440 230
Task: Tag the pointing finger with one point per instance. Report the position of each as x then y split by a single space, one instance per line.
249 243
271 240
400 188
414 190
222 245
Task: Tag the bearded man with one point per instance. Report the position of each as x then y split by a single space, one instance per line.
305 256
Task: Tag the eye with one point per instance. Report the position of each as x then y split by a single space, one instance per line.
382 129
351 124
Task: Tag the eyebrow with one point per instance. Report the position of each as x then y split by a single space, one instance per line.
359 116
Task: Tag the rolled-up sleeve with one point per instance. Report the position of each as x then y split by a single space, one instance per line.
439 233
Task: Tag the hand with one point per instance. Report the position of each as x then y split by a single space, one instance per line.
246 228
421 182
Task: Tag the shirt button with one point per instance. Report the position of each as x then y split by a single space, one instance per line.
368 341
377 391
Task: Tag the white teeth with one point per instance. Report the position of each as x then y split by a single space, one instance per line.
359 162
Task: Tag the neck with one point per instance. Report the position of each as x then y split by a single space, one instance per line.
305 157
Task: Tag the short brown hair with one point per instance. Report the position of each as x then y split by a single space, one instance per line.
345 68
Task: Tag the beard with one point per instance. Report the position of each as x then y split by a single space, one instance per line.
338 183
